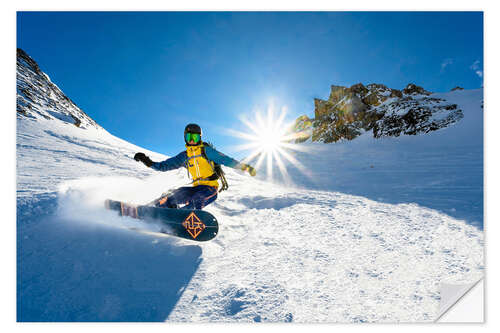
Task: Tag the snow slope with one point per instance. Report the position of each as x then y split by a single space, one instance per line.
338 247
442 170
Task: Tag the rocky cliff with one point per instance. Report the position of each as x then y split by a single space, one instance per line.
383 111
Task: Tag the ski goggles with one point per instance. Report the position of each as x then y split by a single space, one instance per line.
195 137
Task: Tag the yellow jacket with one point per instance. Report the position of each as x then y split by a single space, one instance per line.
199 167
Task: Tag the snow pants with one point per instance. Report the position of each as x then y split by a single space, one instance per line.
195 197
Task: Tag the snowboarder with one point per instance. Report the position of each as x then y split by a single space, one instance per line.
201 160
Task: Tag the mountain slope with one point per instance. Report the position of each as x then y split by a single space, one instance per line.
38 97
307 253
442 169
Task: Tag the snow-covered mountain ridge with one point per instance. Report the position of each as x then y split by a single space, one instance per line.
331 247
38 97
385 112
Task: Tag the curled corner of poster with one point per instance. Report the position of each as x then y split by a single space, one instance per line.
461 303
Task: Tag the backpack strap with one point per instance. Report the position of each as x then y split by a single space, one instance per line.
217 169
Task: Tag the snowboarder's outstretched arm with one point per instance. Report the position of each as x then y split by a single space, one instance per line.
169 164
220 158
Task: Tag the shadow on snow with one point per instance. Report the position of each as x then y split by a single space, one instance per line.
71 272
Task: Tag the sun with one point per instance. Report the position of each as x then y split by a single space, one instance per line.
270 141
268 136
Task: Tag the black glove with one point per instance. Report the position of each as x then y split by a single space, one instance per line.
141 157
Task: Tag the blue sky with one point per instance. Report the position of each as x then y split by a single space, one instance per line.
144 75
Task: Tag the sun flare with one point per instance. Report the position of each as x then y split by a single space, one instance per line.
270 141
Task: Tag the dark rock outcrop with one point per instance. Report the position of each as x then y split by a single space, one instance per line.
411 116
413 89
348 112
302 129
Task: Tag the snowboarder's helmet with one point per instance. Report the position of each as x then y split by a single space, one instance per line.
192 132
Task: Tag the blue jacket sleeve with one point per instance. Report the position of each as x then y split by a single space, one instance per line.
171 163
220 158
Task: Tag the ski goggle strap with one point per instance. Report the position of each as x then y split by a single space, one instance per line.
193 136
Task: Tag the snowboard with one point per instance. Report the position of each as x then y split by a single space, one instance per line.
197 225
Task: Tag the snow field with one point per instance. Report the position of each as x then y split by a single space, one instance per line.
304 253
